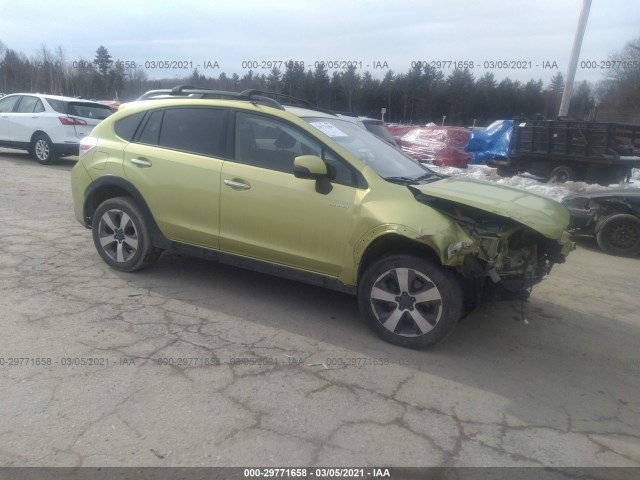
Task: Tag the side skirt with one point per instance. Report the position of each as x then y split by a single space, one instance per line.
260 266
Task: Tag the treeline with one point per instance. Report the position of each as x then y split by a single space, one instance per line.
421 95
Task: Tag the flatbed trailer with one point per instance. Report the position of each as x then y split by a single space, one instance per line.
561 151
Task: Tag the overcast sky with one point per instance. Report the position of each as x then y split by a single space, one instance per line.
398 32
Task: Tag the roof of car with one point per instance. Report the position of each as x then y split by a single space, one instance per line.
54 97
308 112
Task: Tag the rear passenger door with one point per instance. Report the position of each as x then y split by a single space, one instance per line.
174 160
268 214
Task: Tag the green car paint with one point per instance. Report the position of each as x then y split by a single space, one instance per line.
310 223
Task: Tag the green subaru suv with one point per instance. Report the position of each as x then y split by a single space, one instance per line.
241 179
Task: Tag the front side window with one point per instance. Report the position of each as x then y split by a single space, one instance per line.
268 143
7 104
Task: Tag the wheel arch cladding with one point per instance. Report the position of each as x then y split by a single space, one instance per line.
394 242
110 186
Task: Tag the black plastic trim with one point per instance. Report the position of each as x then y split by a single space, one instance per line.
262 266
157 237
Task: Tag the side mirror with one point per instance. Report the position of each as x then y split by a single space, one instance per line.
309 167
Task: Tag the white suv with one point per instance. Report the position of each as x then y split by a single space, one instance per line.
47 126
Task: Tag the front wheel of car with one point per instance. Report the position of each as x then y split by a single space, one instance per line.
410 302
620 235
121 235
42 149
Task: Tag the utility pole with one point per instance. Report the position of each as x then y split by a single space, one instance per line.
573 61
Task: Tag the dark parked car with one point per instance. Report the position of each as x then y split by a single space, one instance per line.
613 216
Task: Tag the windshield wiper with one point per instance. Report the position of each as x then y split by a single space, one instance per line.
430 176
424 178
401 180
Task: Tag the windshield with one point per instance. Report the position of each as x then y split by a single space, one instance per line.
386 160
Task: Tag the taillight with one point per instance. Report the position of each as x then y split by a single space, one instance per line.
71 121
86 144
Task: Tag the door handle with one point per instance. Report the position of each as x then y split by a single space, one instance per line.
237 185
140 162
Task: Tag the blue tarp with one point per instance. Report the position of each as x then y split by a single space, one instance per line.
490 143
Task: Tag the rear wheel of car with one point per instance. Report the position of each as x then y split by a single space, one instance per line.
121 235
42 149
505 172
561 174
410 302
620 235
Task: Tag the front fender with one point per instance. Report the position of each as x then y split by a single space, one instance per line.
443 239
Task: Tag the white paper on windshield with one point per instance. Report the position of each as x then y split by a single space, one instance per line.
329 129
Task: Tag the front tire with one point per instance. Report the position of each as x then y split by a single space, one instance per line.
121 235
42 149
410 302
620 235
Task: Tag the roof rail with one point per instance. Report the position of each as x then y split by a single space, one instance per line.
254 96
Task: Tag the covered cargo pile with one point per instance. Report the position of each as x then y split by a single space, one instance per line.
440 145
490 143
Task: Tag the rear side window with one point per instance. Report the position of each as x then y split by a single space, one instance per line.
126 128
196 130
89 110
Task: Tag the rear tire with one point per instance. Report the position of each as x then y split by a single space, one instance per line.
121 235
505 172
42 149
619 235
410 302
561 174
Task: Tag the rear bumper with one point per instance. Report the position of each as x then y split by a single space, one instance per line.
67 148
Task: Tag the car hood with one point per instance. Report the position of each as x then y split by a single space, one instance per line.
540 213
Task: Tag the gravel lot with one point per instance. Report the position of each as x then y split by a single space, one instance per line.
191 363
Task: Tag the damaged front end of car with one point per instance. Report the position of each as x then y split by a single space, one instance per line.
501 258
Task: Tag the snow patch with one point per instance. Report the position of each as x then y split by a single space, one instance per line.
553 190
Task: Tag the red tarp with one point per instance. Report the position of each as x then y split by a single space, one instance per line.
443 145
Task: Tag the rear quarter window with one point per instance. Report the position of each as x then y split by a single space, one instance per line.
58 105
